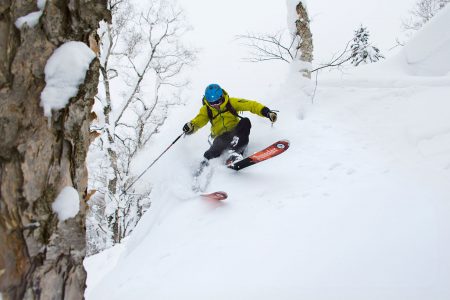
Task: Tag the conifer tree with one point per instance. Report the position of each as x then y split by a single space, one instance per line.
362 50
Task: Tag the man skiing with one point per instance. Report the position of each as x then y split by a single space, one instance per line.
229 130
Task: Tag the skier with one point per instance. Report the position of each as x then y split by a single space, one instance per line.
229 130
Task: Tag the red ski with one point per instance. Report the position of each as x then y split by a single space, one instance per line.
271 151
215 196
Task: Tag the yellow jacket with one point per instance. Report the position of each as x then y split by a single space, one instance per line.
223 120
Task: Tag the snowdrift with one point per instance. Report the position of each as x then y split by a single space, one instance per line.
428 53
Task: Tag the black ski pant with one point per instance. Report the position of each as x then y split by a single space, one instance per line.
236 140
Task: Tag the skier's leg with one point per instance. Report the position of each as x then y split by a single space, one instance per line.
220 144
240 135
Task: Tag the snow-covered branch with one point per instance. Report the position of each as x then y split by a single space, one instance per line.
141 64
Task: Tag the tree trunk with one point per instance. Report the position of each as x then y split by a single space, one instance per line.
40 256
306 43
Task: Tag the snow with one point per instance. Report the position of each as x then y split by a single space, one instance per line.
41 4
427 53
103 262
67 204
291 15
64 72
32 19
357 208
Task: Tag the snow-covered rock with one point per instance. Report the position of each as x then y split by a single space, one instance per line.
64 72
67 204
32 19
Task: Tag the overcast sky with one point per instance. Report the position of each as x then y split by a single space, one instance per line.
217 22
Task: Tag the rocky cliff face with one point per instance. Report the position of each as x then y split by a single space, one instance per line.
40 256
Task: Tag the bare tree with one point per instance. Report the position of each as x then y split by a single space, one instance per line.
338 60
265 47
423 11
142 61
278 47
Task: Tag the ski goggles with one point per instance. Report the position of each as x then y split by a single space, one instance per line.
218 102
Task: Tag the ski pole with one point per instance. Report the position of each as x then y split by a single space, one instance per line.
152 164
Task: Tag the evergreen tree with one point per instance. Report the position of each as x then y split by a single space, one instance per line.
362 50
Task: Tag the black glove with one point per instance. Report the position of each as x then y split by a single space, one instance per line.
188 128
272 115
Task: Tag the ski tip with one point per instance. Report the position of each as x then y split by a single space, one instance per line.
219 195
283 144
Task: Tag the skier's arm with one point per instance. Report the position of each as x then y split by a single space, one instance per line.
247 105
201 119
254 107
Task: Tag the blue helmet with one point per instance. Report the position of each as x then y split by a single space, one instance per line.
213 92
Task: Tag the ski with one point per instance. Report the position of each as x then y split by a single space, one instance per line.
219 195
269 152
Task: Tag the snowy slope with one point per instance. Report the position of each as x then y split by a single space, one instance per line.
357 208
427 53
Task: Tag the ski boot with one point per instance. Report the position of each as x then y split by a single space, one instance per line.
233 157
